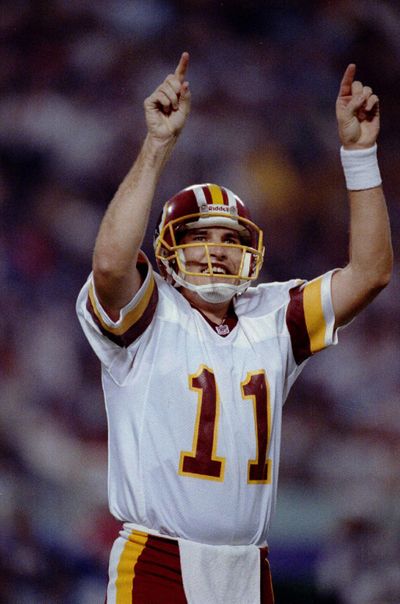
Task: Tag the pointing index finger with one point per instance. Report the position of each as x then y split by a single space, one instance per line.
347 80
182 66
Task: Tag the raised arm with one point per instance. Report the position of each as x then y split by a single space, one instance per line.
370 250
124 224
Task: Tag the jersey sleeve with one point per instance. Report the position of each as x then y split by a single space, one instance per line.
109 338
310 317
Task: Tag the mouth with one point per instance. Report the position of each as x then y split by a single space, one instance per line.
216 270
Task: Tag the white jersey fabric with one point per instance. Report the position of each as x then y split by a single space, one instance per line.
195 418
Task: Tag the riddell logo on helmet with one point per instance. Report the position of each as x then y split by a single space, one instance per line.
215 208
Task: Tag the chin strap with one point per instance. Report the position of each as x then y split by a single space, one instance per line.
211 292
215 292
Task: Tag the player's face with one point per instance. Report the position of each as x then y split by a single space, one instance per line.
224 260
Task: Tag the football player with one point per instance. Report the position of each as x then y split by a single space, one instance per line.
196 364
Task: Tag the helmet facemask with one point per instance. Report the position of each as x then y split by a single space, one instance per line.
170 254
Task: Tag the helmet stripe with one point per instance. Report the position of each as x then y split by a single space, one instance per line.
200 196
231 198
216 195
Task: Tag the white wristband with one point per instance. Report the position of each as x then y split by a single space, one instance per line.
360 167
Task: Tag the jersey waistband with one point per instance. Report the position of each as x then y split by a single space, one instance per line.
128 527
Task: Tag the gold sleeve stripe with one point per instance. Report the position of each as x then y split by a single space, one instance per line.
314 314
126 567
216 195
131 317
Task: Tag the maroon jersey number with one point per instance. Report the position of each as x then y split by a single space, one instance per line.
256 388
202 461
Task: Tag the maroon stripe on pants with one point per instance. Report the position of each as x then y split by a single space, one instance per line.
267 592
158 577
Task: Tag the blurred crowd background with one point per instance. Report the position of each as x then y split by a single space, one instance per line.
264 78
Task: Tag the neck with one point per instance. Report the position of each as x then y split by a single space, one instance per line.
215 312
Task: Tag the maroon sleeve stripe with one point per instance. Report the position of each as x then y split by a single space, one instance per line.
135 330
296 324
114 338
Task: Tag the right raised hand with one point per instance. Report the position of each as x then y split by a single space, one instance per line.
167 108
357 112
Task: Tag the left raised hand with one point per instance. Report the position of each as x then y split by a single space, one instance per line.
357 112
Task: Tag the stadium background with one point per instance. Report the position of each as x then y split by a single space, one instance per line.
264 77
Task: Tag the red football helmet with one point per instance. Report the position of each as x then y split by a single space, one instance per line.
204 206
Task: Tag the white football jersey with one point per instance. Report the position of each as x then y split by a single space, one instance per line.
195 418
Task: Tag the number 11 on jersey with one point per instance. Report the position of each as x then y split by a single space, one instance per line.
202 461
256 388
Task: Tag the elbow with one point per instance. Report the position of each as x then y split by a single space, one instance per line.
103 268
385 279
107 284
108 267
380 271
379 285
106 275
372 281
111 272
380 279
386 271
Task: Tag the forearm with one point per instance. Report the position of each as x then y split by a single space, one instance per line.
124 225
371 254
